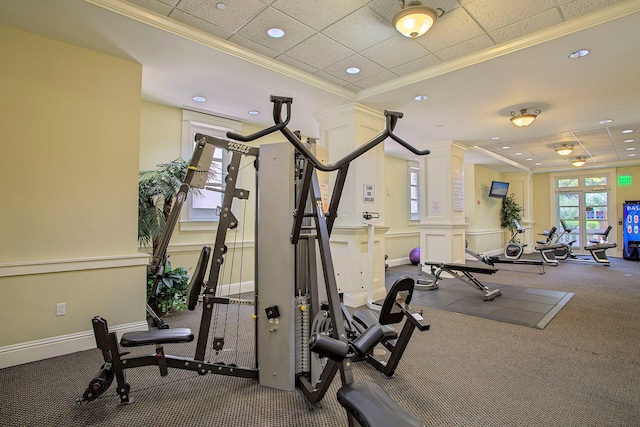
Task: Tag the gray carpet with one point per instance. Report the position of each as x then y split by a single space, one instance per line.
581 370
518 305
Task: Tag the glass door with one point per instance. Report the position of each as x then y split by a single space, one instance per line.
596 218
569 208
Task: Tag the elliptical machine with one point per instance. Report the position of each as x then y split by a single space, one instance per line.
514 249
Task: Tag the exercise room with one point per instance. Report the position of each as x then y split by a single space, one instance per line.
365 213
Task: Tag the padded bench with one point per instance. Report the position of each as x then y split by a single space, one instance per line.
371 406
156 337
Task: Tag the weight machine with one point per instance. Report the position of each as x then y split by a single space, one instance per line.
290 305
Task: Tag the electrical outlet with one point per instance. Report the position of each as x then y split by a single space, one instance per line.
61 309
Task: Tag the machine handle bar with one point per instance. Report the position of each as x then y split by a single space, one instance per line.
278 101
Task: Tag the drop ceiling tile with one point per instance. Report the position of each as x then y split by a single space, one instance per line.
367 68
199 24
331 78
294 31
526 26
317 14
577 8
416 65
319 51
161 7
253 46
395 51
237 13
511 11
297 64
465 48
452 28
360 30
377 79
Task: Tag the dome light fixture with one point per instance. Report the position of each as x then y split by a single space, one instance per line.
523 118
414 19
578 161
564 149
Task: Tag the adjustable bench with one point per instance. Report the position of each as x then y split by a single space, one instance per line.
462 272
394 309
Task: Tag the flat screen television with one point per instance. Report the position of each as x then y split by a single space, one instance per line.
499 189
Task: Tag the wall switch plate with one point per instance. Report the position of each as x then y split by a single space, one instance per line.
61 309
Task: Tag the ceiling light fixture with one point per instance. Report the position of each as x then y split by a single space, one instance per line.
605 121
199 99
523 118
579 54
421 98
627 131
276 33
254 112
564 150
578 161
353 70
414 19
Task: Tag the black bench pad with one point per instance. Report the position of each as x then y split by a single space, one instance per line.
368 318
596 246
462 267
372 407
160 336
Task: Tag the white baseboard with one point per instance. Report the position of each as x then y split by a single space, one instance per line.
32 351
398 261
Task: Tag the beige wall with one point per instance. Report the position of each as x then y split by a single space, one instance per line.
70 130
482 212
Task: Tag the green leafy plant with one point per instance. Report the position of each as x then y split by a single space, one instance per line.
157 190
510 210
172 293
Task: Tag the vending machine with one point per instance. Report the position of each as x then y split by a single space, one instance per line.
631 232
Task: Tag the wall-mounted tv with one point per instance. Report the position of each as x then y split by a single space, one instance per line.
499 189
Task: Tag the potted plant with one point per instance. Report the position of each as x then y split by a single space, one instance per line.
157 190
510 210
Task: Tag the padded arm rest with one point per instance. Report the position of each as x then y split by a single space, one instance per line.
595 246
462 267
372 407
159 336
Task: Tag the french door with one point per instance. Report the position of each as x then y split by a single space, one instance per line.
584 204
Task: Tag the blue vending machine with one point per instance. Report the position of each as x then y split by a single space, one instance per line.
631 232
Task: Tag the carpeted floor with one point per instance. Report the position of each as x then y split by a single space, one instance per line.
581 370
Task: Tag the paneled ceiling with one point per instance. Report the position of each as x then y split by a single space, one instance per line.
481 60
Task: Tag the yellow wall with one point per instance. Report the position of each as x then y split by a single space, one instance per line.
69 163
482 212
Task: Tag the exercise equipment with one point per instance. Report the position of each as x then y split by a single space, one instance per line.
395 309
562 246
414 256
597 247
290 302
514 249
492 260
463 273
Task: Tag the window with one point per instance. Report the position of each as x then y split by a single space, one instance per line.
201 210
414 191
595 181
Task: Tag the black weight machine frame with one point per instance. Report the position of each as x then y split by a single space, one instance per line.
116 362
463 273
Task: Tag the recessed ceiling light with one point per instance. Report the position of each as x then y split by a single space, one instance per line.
495 138
605 121
506 147
631 155
353 70
628 131
629 140
421 97
276 33
199 99
221 6
254 112
538 164
529 158
579 54
630 148
518 154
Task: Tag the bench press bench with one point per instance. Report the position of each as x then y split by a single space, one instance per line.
462 272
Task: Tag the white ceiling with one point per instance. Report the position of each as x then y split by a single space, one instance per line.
481 60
